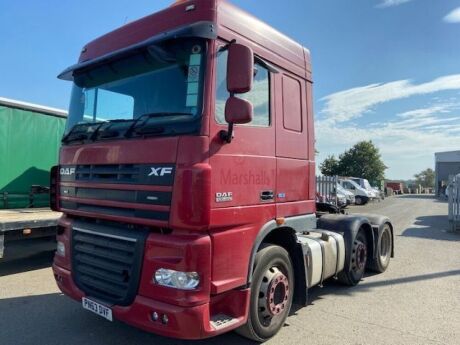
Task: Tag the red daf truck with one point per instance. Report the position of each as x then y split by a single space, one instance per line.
187 179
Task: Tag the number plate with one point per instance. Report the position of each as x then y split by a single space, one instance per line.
97 308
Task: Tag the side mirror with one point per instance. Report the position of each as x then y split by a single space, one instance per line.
237 111
240 68
240 75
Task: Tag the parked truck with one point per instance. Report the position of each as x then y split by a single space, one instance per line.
396 186
187 179
29 145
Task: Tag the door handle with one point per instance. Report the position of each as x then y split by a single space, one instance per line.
267 195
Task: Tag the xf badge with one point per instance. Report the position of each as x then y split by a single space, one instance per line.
160 172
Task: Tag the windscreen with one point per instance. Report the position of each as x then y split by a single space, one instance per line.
340 189
161 85
367 184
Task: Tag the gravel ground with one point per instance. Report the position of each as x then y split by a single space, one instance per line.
416 301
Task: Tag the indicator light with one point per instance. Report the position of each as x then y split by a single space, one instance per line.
60 249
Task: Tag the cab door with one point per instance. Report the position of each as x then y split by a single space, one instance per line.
243 171
243 178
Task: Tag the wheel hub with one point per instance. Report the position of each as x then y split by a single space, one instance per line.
273 294
361 256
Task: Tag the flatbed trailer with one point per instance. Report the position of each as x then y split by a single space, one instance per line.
39 224
18 224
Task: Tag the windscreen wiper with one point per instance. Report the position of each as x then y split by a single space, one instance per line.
80 132
105 132
146 117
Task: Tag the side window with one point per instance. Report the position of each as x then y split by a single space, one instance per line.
259 96
292 106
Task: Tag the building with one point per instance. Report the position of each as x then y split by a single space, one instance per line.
446 164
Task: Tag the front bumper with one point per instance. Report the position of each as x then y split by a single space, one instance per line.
183 322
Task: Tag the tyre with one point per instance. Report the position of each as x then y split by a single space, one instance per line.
384 250
272 291
359 200
354 269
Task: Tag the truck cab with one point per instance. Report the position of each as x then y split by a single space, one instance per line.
187 177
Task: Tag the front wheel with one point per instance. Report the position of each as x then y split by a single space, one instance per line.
359 200
272 291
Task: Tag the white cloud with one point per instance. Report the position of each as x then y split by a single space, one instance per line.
432 110
453 17
353 103
391 3
407 141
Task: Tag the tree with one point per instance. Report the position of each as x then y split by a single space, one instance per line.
330 166
362 160
425 178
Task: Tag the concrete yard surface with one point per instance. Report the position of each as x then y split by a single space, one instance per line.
416 301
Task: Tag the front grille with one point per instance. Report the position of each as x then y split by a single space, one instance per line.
108 173
85 183
107 261
116 211
146 174
131 196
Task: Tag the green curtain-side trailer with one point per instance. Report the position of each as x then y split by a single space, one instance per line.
30 137
29 144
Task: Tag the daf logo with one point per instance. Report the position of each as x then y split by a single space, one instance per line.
67 171
224 197
160 172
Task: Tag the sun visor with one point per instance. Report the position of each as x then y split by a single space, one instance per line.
206 30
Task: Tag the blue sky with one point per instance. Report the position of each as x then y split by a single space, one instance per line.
386 70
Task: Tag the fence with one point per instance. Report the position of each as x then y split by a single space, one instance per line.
453 191
326 189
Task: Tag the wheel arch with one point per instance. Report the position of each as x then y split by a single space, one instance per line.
285 237
378 223
349 226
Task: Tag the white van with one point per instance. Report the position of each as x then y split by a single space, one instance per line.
349 195
362 196
363 183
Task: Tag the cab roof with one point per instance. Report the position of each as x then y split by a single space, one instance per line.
214 15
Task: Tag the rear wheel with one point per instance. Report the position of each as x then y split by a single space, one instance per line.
354 269
272 291
384 250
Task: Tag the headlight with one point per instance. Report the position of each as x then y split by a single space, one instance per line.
60 248
177 280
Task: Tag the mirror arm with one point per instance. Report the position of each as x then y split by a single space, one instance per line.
227 136
225 47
